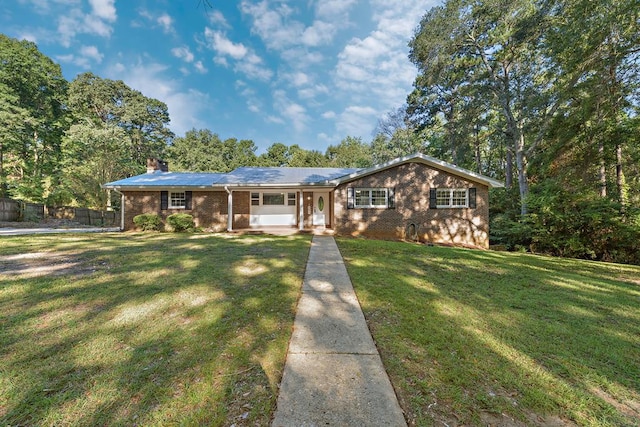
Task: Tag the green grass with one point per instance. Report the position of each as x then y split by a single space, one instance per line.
145 329
477 337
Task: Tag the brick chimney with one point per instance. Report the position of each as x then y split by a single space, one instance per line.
154 164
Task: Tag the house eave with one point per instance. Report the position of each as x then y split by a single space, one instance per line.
153 187
280 186
427 160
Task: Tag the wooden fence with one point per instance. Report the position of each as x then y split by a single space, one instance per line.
9 210
85 216
14 210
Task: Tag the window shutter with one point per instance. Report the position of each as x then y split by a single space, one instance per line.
472 198
433 198
391 194
164 200
351 203
187 200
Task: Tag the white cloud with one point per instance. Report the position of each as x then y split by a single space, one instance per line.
86 57
185 105
217 18
43 7
223 46
301 57
104 9
279 31
200 68
334 8
254 106
356 120
91 52
254 67
319 33
298 78
313 91
293 113
221 60
329 115
275 119
246 60
166 22
183 52
28 36
375 69
98 22
270 24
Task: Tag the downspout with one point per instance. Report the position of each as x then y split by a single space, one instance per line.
229 208
301 215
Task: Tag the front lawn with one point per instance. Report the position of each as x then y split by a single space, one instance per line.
145 329
490 338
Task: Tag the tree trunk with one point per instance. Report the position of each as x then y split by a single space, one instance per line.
509 169
477 150
3 181
521 167
602 171
620 179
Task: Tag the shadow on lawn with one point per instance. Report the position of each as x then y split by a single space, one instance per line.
472 333
185 329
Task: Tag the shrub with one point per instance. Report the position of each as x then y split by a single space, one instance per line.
568 224
147 222
181 222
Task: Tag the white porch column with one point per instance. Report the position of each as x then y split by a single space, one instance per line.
122 202
229 209
301 215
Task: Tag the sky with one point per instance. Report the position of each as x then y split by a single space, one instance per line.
306 72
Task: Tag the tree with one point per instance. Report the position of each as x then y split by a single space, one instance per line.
277 155
520 59
302 158
33 119
115 130
204 151
350 153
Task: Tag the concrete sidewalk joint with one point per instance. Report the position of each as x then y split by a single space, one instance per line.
333 375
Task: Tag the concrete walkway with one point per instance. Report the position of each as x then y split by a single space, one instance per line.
333 375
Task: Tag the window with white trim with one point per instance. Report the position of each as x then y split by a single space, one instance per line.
452 198
177 200
273 199
255 199
371 197
291 199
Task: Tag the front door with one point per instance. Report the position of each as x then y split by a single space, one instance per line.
320 208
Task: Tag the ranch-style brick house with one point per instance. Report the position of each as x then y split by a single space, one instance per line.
412 197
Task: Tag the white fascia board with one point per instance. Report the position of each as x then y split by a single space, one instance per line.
156 187
276 186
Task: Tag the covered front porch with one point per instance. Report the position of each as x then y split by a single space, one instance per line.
283 208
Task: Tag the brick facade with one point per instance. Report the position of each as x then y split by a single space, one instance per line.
412 182
412 217
209 208
241 209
